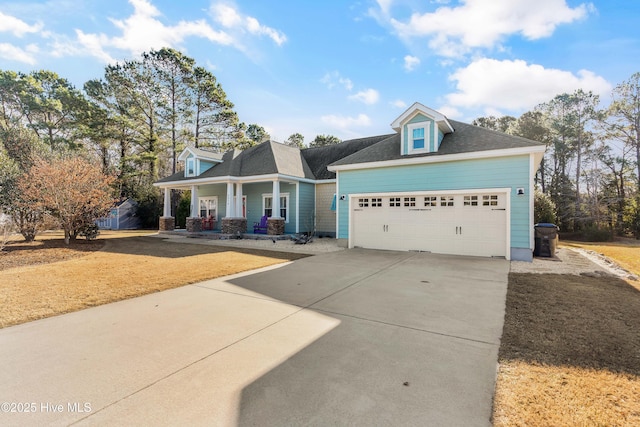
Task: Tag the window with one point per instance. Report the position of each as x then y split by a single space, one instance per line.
490 200
376 203
418 138
471 200
190 167
409 201
431 201
267 205
394 202
208 207
363 203
446 200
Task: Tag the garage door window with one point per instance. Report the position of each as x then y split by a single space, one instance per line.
490 200
446 200
431 201
409 201
471 200
363 203
376 203
394 202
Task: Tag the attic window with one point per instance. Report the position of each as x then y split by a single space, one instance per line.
419 137
190 167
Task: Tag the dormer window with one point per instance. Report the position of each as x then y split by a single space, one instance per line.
419 137
421 130
190 167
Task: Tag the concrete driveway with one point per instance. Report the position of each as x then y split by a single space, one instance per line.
347 338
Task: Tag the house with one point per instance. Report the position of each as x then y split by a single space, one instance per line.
122 216
434 184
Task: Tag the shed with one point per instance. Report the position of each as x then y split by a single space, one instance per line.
121 217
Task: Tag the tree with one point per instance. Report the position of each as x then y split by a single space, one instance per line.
544 210
531 125
500 124
72 190
624 116
215 122
256 133
295 140
324 140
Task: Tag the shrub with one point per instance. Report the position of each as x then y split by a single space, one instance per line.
594 234
544 210
90 231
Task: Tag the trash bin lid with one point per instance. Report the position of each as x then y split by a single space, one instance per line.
546 225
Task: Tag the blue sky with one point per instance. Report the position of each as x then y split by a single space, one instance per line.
345 68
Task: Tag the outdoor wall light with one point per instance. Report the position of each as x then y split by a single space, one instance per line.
520 191
343 197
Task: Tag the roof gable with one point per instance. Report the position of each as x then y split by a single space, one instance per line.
417 108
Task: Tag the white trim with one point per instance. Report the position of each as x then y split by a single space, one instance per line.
338 207
298 207
428 135
532 173
230 178
506 191
508 152
426 111
286 196
200 154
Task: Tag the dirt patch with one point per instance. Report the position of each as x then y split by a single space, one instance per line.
570 352
126 267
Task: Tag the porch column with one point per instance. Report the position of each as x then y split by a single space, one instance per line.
239 200
167 222
230 206
275 200
194 222
195 209
166 211
275 224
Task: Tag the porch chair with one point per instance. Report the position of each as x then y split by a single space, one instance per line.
260 227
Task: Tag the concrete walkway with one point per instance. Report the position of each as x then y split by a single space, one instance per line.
354 337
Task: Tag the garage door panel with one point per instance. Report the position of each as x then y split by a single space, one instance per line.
465 224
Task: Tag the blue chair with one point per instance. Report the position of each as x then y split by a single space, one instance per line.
260 227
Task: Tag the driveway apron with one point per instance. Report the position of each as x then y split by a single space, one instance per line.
357 337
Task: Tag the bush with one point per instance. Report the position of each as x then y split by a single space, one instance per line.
595 234
184 209
90 231
544 210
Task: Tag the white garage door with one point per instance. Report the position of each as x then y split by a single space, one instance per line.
461 224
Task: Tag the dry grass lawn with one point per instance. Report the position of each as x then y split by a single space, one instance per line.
45 278
570 352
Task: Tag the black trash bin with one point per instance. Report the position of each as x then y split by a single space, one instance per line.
546 239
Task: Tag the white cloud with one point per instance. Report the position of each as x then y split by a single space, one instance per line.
411 62
449 112
398 103
11 24
367 96
334 78
231 19
10 52
342 122
516 85
454 31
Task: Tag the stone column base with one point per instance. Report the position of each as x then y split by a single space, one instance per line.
233 226
194 224
275 226
167 223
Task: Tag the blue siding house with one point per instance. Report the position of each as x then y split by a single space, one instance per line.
433 184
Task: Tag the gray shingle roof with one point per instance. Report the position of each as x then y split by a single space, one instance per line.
274 158
320 157
264 159
465 139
